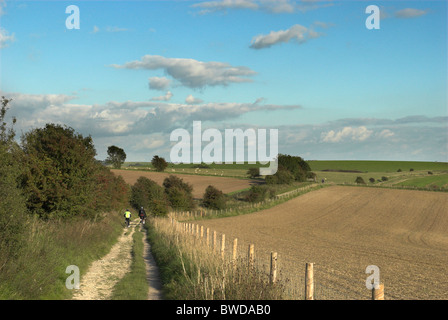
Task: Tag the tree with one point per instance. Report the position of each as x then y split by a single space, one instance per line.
60 168
179 193
116 156
214 198
159 163
12 201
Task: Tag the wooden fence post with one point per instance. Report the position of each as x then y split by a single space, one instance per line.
273 273
378 293
202 232
309 281
251 256
223 245
207 237
234 251
214 241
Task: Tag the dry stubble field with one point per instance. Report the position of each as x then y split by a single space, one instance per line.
199 183
345 229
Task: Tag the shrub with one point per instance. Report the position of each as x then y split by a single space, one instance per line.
179 193
359 180
159 163
253 172
214 198
384 178
282 176
429 172
399 170
148 194
372 180
259 193
411 169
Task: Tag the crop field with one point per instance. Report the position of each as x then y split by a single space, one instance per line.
199 183
344 229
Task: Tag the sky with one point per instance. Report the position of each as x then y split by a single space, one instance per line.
132 72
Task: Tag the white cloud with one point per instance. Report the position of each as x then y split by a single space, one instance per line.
355 134
5 38
159 83
193 73
166 97
297 33
386 133
410 13
192 100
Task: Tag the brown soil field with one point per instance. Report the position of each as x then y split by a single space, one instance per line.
342 230
199 183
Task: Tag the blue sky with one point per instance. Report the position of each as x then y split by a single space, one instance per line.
137 70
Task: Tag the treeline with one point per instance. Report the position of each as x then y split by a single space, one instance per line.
174 194
52 176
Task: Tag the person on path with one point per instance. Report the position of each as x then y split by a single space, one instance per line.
142 215
127 217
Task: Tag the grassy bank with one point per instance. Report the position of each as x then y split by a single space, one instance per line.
38 271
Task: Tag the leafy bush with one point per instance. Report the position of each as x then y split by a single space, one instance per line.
148 194
179 193
253 172
372 180
259 193
399 170
12 202
384 178
359 180
214 198
282 176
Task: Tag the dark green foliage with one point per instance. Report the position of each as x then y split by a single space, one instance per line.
253 172
148 194
290 168
384 178
359 180
214 199
116 156
60 169
259 193
159 163
12 202
411 169
399 170
179 193
372 180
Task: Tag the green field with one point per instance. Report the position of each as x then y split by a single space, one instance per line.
427 182
376 166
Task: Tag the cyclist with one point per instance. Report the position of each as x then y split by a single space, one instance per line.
127 216
142 215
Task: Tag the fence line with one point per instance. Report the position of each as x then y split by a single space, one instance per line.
201 213
192 230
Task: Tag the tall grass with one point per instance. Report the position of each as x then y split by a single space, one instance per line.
38 271
191 271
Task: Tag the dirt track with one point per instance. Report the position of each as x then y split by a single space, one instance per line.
345 229
200 183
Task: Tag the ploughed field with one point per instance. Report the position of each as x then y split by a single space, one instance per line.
342 230
199 183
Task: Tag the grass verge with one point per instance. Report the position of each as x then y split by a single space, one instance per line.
134 286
